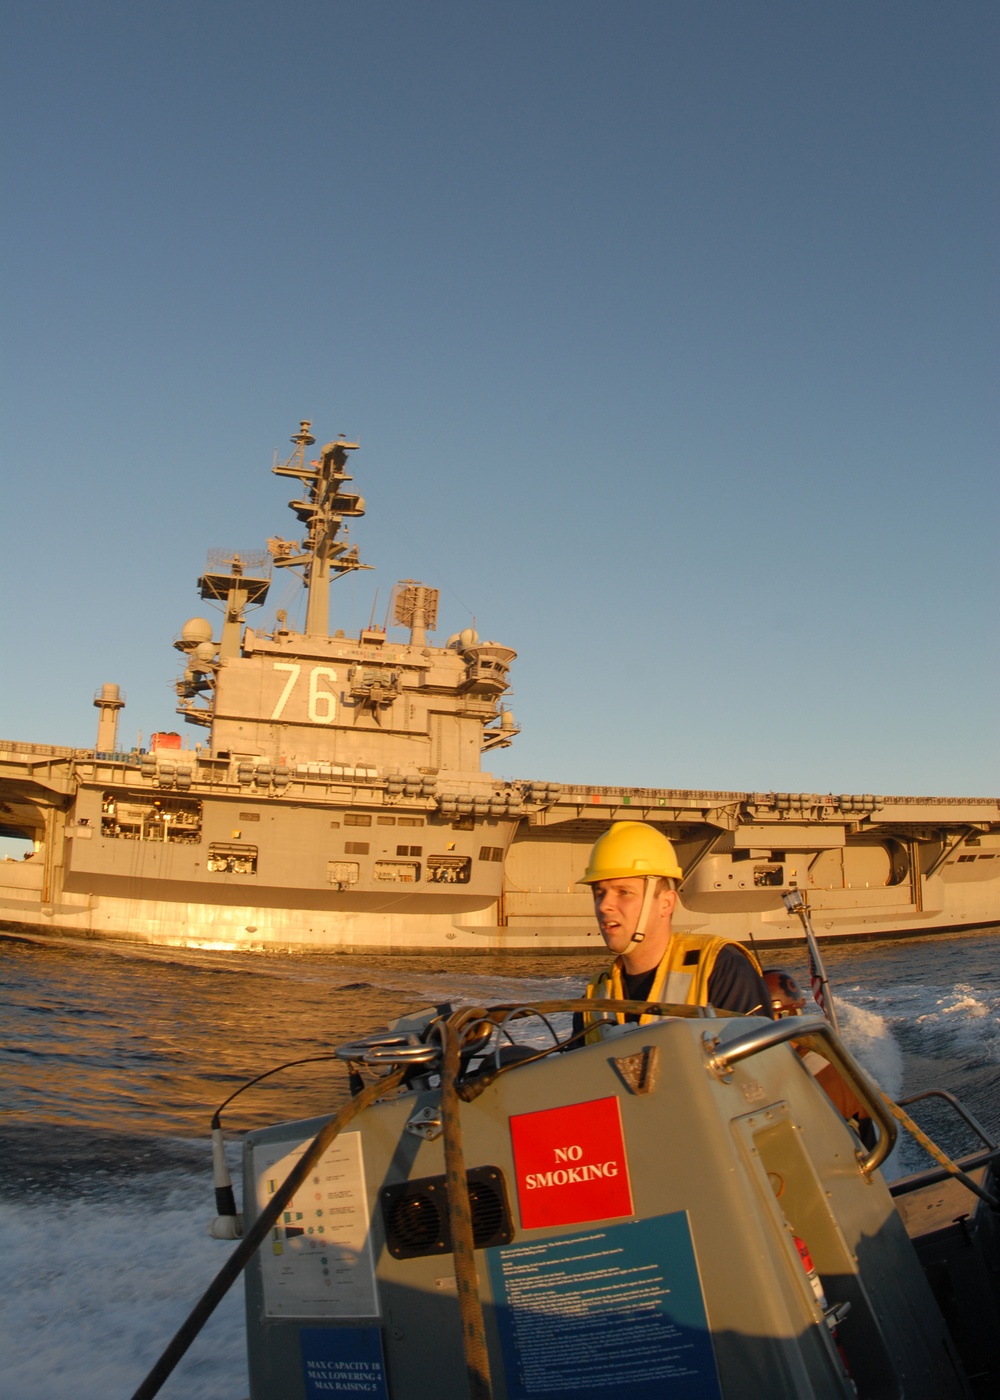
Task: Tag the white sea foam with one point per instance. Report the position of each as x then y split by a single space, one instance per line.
94 1290
955 1025
966 1019
869 1037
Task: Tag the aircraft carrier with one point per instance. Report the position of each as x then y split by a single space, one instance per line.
337 798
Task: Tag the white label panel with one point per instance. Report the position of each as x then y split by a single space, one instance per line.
317 1261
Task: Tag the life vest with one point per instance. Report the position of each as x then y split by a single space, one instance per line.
681 978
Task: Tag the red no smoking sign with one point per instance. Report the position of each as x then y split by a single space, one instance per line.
570 1164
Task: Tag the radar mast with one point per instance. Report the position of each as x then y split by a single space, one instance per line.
321 555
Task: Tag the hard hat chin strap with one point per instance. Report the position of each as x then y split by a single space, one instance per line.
648 896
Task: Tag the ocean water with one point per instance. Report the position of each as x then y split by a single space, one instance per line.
113 1058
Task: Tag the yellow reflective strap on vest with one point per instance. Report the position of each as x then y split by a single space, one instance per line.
682 978
598 987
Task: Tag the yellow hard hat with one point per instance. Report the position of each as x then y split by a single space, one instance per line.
631 849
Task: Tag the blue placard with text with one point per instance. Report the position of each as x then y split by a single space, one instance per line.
343 1363
617 1309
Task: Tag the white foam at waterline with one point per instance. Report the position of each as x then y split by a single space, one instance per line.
963 1018
869 1037
93 1292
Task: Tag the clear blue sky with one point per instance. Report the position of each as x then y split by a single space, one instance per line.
669 331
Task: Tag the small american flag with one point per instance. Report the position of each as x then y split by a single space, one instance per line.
816 983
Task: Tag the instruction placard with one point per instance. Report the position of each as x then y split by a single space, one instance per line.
318 1259
617 1310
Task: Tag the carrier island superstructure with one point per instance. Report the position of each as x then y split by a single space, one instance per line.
337 798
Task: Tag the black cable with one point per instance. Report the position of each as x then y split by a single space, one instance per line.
289 1064
255 1236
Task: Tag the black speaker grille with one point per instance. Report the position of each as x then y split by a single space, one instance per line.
415 1214
487 1206
414 1222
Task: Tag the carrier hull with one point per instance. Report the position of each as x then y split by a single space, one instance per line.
120 854
338 799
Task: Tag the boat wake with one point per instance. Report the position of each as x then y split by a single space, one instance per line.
95 1288
870 1038
963 1019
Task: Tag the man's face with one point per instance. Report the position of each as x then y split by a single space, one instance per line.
618 904
786 995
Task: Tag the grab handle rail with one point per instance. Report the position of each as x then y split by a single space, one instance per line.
389 1048
962 1166
808 1030
903 1185
959 1108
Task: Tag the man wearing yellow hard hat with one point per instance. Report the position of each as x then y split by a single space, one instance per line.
633 873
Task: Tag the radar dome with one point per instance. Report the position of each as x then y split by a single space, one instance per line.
205 651
468 637
195 630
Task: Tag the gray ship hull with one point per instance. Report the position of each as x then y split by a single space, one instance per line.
122 852
338 800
